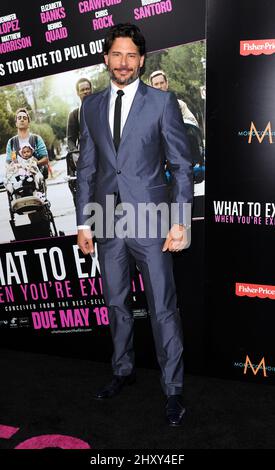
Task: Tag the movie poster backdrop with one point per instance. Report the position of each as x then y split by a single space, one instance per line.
49 289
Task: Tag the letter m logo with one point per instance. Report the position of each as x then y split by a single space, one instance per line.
256 369
267 131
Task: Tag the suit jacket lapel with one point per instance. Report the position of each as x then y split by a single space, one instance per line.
104 116
133 115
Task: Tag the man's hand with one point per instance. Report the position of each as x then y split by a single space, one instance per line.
42 161
177 239
85 241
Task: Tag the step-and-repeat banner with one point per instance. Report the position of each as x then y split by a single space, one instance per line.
51 295
240 188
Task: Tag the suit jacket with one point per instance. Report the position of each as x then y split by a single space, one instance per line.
153 134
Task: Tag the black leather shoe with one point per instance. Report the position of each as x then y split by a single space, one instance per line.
174 410
115 386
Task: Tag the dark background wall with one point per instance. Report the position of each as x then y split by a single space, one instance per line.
240 91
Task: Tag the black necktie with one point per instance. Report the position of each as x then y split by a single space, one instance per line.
117 119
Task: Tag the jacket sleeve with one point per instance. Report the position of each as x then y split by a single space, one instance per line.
72 131
86 172
178 155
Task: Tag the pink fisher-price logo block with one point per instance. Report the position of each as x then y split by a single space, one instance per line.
257 47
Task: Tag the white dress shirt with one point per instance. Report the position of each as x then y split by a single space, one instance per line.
126 103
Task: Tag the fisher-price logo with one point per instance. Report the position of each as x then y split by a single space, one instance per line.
255 290
257 47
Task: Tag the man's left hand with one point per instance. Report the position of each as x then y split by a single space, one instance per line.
177 239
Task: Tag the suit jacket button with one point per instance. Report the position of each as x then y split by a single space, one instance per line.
118 172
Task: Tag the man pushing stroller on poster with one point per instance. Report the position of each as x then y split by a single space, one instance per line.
27 159
27 167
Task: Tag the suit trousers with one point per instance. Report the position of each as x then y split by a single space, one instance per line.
156 268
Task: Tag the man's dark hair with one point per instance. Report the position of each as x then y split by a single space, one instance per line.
125 30
82 80
22 110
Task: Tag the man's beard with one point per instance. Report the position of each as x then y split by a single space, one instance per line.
124 81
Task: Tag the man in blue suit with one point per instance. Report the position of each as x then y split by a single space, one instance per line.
128 133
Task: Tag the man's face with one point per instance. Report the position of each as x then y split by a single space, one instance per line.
22 121
124 62
26 153
84 89
160 83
